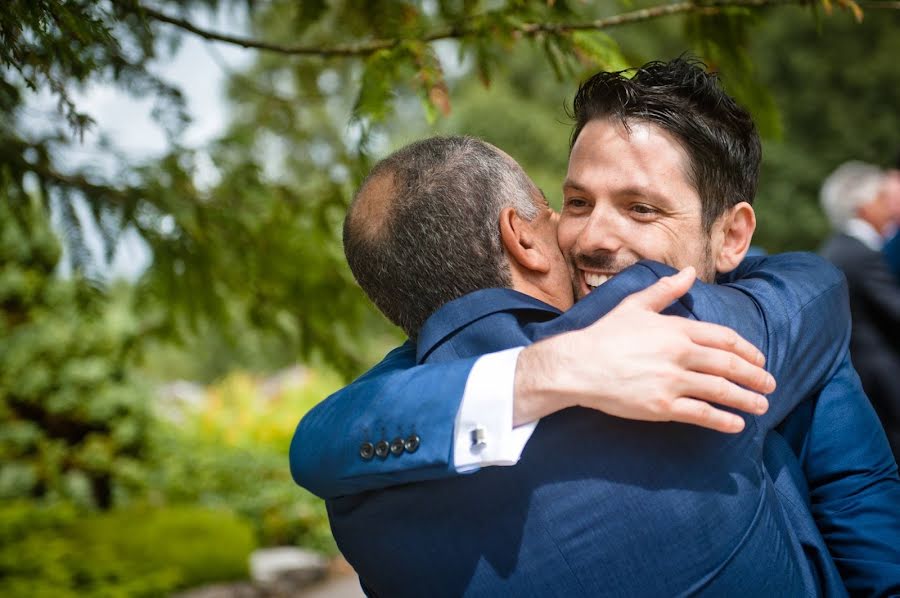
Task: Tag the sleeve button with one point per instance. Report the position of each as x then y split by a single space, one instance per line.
411 444
366 450
397 446
382 448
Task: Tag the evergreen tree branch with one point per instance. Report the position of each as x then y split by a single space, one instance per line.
80 182
528 29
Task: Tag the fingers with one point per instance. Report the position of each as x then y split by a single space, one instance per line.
713 389
663 292
698 413
726 339
729 366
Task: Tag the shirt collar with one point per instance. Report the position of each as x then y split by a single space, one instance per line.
461 312
865 233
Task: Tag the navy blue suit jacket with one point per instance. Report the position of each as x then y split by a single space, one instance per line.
875 339
865 537
892 254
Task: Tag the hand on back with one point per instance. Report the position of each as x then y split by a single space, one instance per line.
638 364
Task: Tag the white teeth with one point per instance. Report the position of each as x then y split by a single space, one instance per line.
595 280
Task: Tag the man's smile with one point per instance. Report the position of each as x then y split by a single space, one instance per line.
592 280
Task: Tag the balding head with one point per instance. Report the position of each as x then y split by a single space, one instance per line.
369 212
423 228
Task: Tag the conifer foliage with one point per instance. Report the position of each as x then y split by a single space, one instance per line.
72 419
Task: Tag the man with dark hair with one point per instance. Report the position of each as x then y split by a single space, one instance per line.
645 220
681 99
710 497
628 135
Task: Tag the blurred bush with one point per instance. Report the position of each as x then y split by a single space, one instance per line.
254 483
104 497
230 450
73 419
243 410
59 551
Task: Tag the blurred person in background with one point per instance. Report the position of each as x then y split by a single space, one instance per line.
861 201
892 245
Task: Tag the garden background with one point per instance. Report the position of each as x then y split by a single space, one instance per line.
145 417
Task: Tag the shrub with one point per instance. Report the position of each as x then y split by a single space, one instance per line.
73 419
239 410
56 551
255 483
230 450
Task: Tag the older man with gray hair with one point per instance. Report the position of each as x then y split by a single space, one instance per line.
859 202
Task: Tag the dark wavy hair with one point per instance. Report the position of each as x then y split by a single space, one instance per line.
681 97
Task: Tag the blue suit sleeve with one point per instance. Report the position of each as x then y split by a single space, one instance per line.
854 490
806 313
394 400
853 485
794 308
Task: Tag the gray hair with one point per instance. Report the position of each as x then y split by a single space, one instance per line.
424 227
847 188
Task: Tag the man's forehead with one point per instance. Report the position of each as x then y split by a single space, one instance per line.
641 156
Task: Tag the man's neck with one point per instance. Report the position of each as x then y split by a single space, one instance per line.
542 295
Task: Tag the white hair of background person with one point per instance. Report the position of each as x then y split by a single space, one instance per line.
851 185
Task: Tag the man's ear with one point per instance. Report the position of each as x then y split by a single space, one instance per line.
738 226
521 242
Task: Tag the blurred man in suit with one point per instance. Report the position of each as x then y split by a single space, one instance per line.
861 201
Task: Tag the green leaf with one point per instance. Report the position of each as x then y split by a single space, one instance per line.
376 93
600 50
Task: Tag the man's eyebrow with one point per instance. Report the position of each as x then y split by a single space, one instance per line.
570 184
643 192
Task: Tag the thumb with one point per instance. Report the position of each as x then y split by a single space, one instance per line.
663 292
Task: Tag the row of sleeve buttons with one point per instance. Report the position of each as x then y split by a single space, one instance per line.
380 449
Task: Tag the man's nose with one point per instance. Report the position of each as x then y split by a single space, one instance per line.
602 233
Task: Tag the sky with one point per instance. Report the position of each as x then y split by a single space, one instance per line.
199 68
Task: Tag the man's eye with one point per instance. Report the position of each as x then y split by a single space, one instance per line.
643 210
575 203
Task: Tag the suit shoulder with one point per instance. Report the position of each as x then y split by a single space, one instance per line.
801 271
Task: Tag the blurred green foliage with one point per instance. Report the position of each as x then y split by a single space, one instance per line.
254 253
185 502
229 450
73 418
57 551
255 484
836 84
248 269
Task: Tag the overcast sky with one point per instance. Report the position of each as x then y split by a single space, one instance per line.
197 69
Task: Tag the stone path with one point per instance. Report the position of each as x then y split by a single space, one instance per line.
343 586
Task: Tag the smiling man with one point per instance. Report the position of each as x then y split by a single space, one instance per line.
625 198
649 181
675 202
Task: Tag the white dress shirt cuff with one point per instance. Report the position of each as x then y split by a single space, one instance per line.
484 433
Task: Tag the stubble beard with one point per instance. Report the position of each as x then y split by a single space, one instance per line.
607 262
